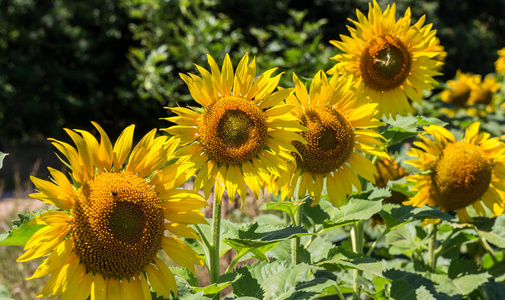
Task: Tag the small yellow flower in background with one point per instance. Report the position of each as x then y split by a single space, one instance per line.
469 92
242 134
392 61
337 125
500 62
484 90
460 89
104 242
457 174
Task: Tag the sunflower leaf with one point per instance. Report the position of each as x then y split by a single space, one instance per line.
19 236
406 127
21 232
2 156
355 210
340 259
278 280
223 282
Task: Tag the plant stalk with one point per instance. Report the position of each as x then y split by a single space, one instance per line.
216 237
357 232
432 246
295 243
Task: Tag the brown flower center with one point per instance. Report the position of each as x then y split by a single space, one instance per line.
329 137
233 130
462 175
117 224
385 63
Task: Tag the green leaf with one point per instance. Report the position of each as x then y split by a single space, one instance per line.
223 282
405 127
339 259
396 214
283 283
19 236
408 283
496 235
185 274
250 239
404 240
316 213
2 156
287 207
355 210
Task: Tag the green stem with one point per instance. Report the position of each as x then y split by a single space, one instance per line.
376 242
432 246
207 245
214 249
357 246
489 249
295 243
339 292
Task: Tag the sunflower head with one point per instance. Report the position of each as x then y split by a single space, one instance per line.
500 62
484 91
458 174
337 125
460 89
391 59
113 218
242 134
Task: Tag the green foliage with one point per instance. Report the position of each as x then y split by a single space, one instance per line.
2 157
20 232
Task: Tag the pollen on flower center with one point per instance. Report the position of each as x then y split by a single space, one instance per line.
329 137
385 63
232 130
462 175
118 224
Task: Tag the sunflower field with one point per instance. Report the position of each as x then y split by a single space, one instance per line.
252 150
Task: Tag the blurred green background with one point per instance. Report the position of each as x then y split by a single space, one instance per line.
65 63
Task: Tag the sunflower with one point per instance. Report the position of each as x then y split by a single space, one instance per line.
457 174
460 89
388 170
338 126
243 132
110 224
500 62
391 60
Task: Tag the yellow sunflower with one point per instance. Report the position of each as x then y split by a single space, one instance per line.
243 132
338 126
457 174
500 62
111 223
460 89
392 61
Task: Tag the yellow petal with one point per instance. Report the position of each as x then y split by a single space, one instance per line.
122 147
181 253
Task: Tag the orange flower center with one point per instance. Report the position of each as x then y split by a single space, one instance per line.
329 137
385 63
462 175
117 224
233 130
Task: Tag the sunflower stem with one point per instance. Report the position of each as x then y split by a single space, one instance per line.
432 246
295 243
216 237
357 246
489 249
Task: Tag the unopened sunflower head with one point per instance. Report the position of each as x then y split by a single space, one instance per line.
457 174
338 126
243 132
391 60
111 223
